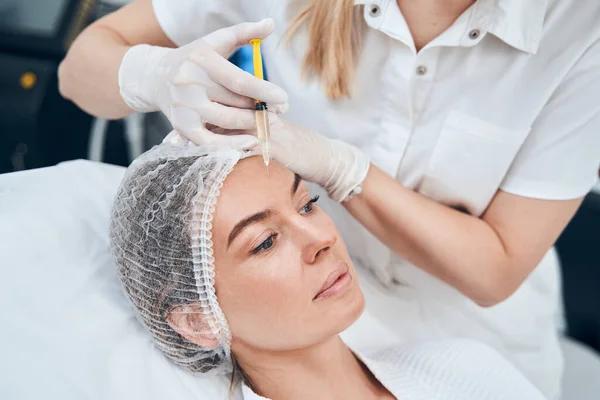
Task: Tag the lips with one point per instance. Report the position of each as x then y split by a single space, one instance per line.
335 280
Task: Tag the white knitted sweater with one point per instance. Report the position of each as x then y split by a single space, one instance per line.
455 369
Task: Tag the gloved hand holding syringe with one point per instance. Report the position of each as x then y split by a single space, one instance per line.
195 86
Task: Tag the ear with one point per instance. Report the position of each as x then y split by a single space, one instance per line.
193 325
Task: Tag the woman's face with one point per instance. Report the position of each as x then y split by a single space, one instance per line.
284 278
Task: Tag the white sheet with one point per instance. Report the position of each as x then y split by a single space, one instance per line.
67 331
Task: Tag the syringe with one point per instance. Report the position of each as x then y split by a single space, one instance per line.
262 115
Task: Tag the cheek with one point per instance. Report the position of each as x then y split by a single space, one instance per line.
262 296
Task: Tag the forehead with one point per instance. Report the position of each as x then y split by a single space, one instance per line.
251 188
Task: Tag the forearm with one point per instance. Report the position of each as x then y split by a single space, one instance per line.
89 74
462 250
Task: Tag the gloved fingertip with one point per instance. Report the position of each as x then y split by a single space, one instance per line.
274 95
273 118
193 136
268 23
281 108
245 143
255 151
175 139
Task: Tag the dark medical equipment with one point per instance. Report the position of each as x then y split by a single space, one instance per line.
37 126
579 251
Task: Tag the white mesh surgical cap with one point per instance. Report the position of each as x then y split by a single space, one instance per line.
160 235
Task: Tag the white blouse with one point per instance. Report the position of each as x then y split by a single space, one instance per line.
507 98
458 369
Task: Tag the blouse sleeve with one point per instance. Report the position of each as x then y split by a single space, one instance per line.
184 21
560 158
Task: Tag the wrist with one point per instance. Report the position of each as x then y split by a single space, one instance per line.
139 75
350 167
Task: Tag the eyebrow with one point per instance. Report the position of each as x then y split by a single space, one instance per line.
297 181
259 216
246 222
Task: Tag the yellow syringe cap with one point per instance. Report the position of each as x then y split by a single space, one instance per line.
257 58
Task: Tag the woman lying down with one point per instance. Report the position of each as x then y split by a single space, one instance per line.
236 271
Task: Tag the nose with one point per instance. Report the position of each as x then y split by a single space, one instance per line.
318 243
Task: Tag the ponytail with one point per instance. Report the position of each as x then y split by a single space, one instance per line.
334 30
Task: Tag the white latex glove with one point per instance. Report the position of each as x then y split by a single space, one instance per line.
335 165
194 84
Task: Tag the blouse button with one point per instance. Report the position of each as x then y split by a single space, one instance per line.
474 34
421 70
375 11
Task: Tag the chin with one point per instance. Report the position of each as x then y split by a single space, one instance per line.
347 312
357 301
357 307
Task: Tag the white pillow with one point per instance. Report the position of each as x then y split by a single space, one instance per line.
67 329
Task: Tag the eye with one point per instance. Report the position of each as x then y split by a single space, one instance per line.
309 207
266 245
